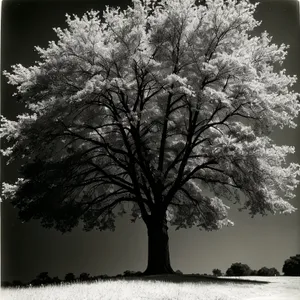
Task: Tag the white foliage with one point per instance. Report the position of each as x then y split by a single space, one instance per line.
117 83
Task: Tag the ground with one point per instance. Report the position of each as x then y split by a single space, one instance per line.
278 288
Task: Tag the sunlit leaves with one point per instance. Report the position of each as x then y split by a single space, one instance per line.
167 104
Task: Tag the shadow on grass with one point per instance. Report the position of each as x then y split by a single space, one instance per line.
190 278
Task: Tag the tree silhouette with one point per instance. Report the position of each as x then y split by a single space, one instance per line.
238 269
84 276
70 277
43 278
56 280
267 272
154 107
291 266
217 272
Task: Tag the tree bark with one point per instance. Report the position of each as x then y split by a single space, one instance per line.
158 248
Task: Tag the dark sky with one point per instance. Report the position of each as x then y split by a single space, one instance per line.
28 249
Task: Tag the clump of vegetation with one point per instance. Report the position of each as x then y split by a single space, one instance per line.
238 269
264 271
84 276
217 272
70 277
291 266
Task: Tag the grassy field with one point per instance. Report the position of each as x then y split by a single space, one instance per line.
278 288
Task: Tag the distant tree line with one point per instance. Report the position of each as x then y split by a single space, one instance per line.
239 269
43 279
291 267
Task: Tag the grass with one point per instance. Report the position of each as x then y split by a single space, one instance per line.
172 287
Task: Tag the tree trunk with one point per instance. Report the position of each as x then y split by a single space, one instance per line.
158 249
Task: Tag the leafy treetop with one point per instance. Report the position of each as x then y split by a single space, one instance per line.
153 105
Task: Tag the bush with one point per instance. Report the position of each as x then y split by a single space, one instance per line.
84 276
274 272
229 272
56 280
238 269
35 282
6 284
43 278
291 266
17 283
217 272
70 277
267 272
97 277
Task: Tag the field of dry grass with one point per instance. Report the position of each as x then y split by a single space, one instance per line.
278 288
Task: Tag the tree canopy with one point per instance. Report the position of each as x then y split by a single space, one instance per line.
238 269
217 272
264 271
291 266
167 105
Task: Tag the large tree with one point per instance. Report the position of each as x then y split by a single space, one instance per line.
166 105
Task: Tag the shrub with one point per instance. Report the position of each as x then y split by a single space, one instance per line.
267 272
291 266
84 276
43 278
238 269
35 282
56 280
6 284
70 277
217 272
